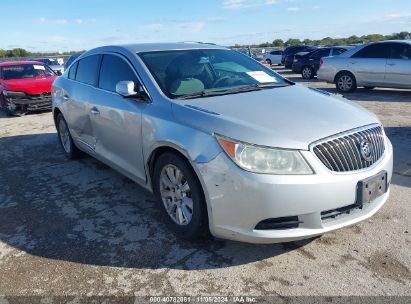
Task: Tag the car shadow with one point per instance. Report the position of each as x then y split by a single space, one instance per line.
84 212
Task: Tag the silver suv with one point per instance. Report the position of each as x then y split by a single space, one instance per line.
380 64
226 144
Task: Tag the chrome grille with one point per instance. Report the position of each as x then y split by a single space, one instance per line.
344 153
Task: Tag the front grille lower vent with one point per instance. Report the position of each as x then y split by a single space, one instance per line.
353 151
278 223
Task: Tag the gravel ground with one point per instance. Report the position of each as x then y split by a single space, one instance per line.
80 228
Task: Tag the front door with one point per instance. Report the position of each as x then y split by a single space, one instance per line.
369 64
117 120
398 73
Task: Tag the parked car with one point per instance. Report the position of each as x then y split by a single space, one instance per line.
289 58
71 59
292 50
25 86
52 63
273 57
380 64
308 64
226 144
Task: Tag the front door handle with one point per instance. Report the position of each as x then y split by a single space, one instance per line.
66 97
94 111
353 62
391 64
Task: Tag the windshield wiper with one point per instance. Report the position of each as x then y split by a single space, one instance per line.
246 88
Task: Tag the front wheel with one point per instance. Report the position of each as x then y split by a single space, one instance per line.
181 196
268 61
345 83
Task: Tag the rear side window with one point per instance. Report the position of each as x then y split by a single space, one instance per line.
400 51
87 70
113 70
338 51
379 50
321 53
72 71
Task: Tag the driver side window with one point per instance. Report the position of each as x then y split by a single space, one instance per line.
115 69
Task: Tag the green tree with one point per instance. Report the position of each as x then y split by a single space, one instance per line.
292 42
278 43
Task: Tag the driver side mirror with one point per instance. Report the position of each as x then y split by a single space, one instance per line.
126 89
58 73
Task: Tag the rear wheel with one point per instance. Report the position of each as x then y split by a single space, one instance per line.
180 195
307 72
345 82
66 141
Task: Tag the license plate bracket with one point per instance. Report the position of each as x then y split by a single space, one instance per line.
370 188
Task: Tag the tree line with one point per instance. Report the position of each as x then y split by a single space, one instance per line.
19 52
278 43
327 41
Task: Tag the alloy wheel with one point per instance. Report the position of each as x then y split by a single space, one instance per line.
176 195
307 73
345 83
64 136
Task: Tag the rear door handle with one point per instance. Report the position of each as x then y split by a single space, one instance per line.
94 111
66 97
391 63
353 62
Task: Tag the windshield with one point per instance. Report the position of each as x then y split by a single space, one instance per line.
25 71
190 72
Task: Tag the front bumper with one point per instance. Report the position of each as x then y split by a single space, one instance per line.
28 103
239 200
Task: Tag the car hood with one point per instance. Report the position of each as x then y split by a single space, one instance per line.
287 117
37 85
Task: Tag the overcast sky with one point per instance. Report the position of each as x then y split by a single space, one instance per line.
55 25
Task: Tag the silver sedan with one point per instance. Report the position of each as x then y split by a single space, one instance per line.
226 145
381 64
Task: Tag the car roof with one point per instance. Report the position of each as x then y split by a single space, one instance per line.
395 41
8 63
151 47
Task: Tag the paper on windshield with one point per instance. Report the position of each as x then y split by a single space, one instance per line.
39 67
261 76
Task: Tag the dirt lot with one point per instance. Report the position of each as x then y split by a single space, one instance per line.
80 228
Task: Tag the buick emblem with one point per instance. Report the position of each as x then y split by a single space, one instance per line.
365 150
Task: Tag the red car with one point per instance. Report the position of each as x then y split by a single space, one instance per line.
25 86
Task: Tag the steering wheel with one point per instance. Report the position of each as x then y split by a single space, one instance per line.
220 80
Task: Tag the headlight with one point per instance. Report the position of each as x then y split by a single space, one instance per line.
266 160
13 94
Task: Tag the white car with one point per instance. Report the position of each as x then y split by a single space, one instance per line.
381 64
273 57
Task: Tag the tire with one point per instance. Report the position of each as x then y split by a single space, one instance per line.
369 88
345 82
268 61
179 221
65 139
307 72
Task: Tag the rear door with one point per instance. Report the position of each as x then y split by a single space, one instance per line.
116 120
398 73
369 64
78 98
